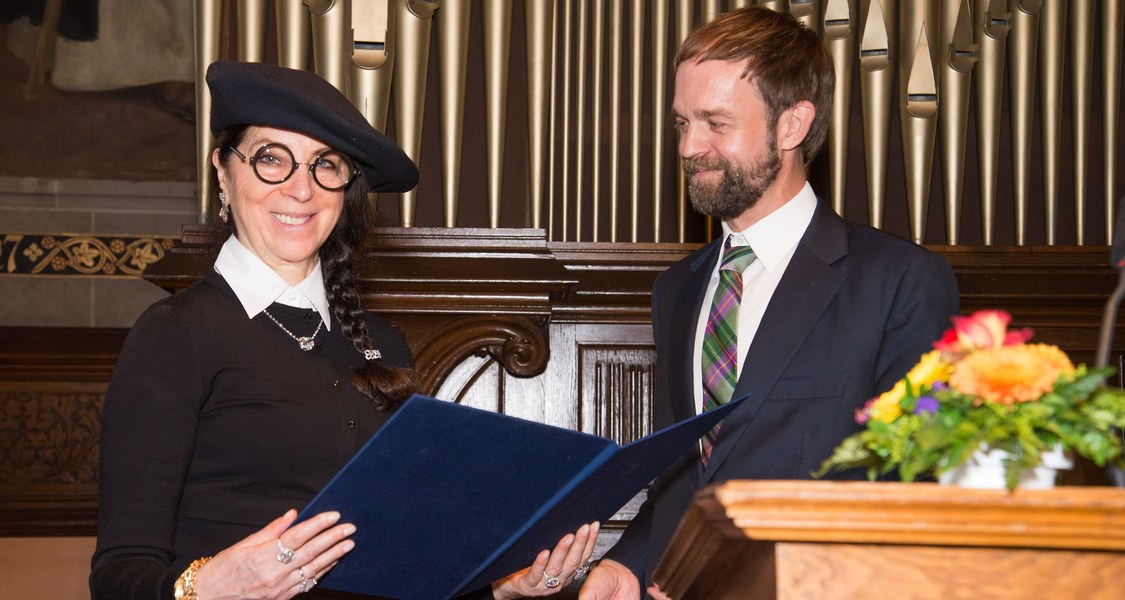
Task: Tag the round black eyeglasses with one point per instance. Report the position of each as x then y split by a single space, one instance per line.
275 164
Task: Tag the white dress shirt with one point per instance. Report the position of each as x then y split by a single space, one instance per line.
258 286
774 239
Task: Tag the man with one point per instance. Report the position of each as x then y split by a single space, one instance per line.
830 315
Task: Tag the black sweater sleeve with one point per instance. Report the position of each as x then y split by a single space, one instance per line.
147 437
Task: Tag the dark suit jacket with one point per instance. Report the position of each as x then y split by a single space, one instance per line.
854 311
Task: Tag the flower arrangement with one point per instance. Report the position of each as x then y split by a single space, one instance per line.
985 387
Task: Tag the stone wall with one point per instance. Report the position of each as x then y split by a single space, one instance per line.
71 250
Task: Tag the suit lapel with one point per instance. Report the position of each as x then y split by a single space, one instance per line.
805 291
688 303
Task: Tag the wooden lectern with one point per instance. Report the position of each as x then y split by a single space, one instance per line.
824 540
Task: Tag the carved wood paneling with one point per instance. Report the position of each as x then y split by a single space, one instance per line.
49 437
49 458
52 383
517 343
617 385
499 319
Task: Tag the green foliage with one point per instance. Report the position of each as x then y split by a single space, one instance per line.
1079 413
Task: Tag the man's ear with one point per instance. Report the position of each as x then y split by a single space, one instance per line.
793 125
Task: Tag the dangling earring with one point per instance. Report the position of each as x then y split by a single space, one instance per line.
224 208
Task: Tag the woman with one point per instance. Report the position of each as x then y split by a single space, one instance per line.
236 400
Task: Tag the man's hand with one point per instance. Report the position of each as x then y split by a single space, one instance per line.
610 580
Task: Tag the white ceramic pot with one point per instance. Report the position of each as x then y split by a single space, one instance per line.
985 470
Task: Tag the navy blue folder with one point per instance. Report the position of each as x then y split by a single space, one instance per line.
447 498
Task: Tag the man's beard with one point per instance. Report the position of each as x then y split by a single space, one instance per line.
738 190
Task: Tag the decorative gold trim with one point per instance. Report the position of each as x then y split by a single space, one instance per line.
81 255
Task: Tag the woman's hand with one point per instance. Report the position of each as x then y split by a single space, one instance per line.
551 571
278 561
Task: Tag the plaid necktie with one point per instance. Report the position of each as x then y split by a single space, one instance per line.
720 338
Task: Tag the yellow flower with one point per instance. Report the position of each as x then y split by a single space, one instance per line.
928 370
931 368
885 408
1010 374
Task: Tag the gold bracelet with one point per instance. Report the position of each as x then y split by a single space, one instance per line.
185 585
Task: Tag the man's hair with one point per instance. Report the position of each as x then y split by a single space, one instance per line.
784 59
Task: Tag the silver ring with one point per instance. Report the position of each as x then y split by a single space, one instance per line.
581 572
284 555
551 581
306 583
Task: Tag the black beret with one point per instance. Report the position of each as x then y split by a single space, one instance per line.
244 93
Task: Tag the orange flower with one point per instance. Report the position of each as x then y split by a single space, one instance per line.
1010 374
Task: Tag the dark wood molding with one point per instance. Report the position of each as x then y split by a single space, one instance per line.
453 293
614 280
456 293
474 292
71 354
1058 291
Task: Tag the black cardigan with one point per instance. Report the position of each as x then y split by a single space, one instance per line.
215 424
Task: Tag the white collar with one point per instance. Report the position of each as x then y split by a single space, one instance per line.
257 285
774 237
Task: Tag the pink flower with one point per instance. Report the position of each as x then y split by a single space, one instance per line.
863 415
983 329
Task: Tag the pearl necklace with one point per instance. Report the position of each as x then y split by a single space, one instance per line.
306 343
